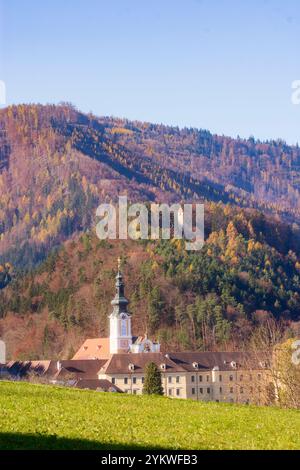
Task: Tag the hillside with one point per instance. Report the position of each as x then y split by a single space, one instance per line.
45 417
223 297
57 165
56 279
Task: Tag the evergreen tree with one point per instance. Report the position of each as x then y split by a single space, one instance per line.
152 384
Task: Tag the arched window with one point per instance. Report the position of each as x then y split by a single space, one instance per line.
123 327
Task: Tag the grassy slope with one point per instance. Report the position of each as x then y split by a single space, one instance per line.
39 416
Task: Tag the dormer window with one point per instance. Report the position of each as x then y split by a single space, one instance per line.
131 367
195 365
233 364
263 364
85 348
163 366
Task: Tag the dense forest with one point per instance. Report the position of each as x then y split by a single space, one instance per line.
57 165
57 279
218 298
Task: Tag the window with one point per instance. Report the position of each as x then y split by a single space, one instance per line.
170 379
200 378
220 378
231 389
208 390
143 380
125 380
193 378
221 390
178 392
113 380
207 378
201 390
231 378
242 389
124 327
134 380
177 379
193 391
170 391
259 376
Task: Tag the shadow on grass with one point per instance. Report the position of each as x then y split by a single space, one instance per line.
18 441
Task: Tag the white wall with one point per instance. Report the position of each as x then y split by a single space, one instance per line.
2 352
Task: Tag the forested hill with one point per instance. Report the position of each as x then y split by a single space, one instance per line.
57 165
237 289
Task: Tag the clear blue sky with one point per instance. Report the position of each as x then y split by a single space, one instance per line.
223 65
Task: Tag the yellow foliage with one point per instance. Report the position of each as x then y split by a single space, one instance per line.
121 130
154 266
231 231
27 218
49 202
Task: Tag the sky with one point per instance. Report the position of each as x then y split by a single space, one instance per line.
222 65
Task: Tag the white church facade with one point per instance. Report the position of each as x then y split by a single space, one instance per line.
120 340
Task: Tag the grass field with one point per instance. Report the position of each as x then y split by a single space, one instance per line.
46 417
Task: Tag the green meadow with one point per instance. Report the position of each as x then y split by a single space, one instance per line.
48 417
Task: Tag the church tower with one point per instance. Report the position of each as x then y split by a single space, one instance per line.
120 338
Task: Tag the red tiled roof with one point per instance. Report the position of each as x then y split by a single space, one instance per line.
208 360
93 348
23 368
119 363
101 385
80 369
87 368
